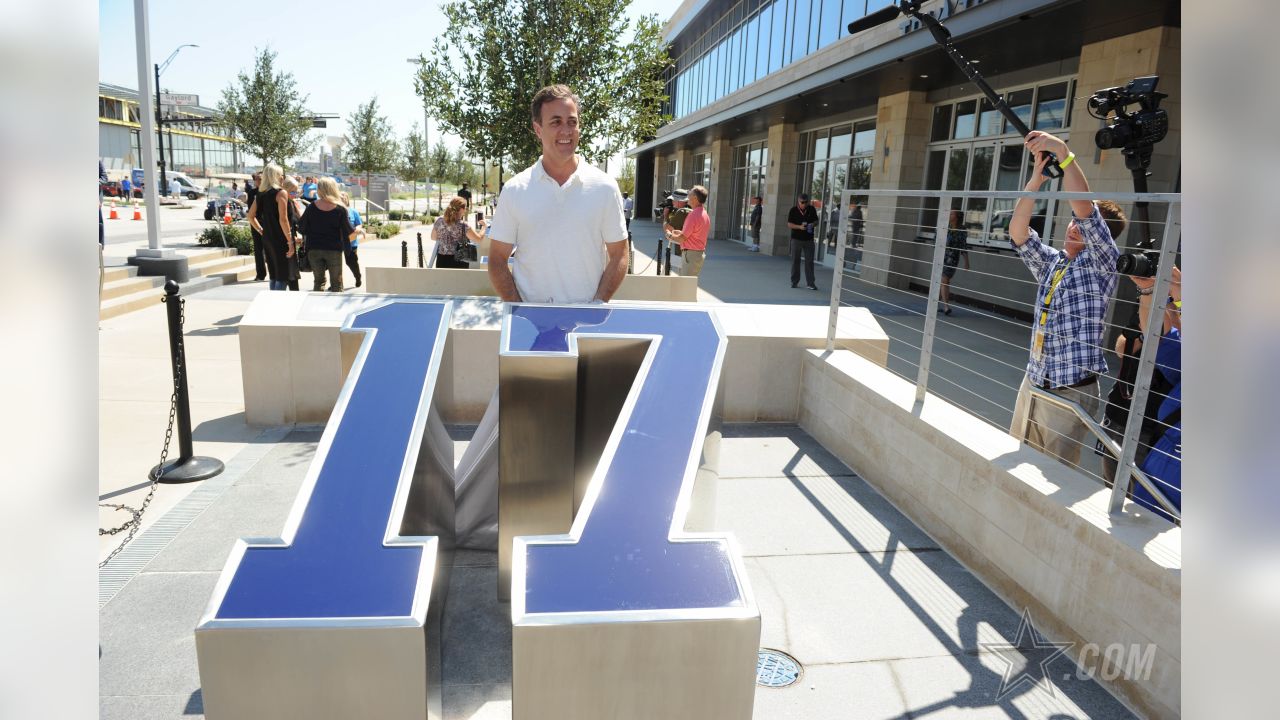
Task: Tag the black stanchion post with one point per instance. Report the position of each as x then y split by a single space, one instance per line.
422 262
187 467
658 256
667 269
404 253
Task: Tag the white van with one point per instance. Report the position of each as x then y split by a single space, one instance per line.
189 188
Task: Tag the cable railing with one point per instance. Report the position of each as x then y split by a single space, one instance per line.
907 247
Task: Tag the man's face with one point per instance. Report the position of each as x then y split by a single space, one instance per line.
1075 241
755 201
679 203
802 203
558 130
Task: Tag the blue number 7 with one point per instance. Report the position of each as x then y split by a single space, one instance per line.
626 616
332 618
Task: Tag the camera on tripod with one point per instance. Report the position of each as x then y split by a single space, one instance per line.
1143 127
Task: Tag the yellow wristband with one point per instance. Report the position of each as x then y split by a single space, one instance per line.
1177 304
1071 157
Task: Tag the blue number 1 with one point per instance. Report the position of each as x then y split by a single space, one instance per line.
331 620
627 616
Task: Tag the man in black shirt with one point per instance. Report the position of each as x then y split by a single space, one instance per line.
802 219
465 194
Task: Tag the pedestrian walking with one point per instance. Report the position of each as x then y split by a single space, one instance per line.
269 214
628 209
351 253
327 228
757 216
957 247
802 219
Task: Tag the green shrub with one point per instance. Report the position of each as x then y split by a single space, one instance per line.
400 215
387 230
238 237
427 218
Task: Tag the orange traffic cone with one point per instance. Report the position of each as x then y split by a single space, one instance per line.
114 215
137 212
226 214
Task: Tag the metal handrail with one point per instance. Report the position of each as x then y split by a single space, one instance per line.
1126 469
1111 445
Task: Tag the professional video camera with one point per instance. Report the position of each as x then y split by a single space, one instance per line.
1135 133
666 204
1142 128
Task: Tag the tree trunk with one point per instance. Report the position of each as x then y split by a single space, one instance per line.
415 198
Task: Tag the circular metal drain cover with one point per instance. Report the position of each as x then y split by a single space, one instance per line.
776 669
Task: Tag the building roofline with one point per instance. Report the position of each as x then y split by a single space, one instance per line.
681 18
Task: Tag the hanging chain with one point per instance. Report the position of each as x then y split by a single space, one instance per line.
135 522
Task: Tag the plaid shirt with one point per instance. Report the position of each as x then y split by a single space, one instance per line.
1074 326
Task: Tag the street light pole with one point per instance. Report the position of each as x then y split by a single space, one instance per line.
164 181
426 129
141 34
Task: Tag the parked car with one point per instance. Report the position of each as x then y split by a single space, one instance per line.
110 188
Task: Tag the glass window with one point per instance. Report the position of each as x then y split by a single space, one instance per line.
778 35
819 145
932 181
1051 106
749 51
1008 173
815 26
735 61
988 118
799 30
864 138
965 119
841 141
957 168
853 9
980 173
830 27
942 123
1020 102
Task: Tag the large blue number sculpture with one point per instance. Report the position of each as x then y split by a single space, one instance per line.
332 620
626 615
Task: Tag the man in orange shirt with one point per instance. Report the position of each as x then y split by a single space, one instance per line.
693 236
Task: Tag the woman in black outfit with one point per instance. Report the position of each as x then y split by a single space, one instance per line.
269 214
294 270
328 231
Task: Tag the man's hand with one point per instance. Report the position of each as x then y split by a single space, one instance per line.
1037 142
1037 174
1175 283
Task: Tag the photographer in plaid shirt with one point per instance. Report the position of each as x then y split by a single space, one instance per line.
1076 285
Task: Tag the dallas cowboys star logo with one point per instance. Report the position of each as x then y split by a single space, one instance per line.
1027 659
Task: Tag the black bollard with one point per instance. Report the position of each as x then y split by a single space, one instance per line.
421 257
404 253
631 256
668 267
187 467
658 256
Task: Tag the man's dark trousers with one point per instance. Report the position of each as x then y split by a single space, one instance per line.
803 248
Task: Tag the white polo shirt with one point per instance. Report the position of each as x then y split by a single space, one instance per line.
559 231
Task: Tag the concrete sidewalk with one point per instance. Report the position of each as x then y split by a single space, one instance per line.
885 623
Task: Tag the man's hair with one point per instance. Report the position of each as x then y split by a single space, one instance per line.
1114 217
701 192
552 92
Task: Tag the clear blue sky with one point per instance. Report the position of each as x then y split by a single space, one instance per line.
339 58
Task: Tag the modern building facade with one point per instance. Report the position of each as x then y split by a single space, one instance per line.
194 146
775 98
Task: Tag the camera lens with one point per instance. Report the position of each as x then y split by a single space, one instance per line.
1113 136
1139 264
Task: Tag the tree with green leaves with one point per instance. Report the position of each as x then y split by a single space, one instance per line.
370 145
413 161
481 74
627 179
439 169
266 112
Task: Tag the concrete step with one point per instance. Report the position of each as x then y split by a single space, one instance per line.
120 272
208 269
129 285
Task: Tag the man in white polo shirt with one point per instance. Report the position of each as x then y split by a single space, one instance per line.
565 218
563 215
